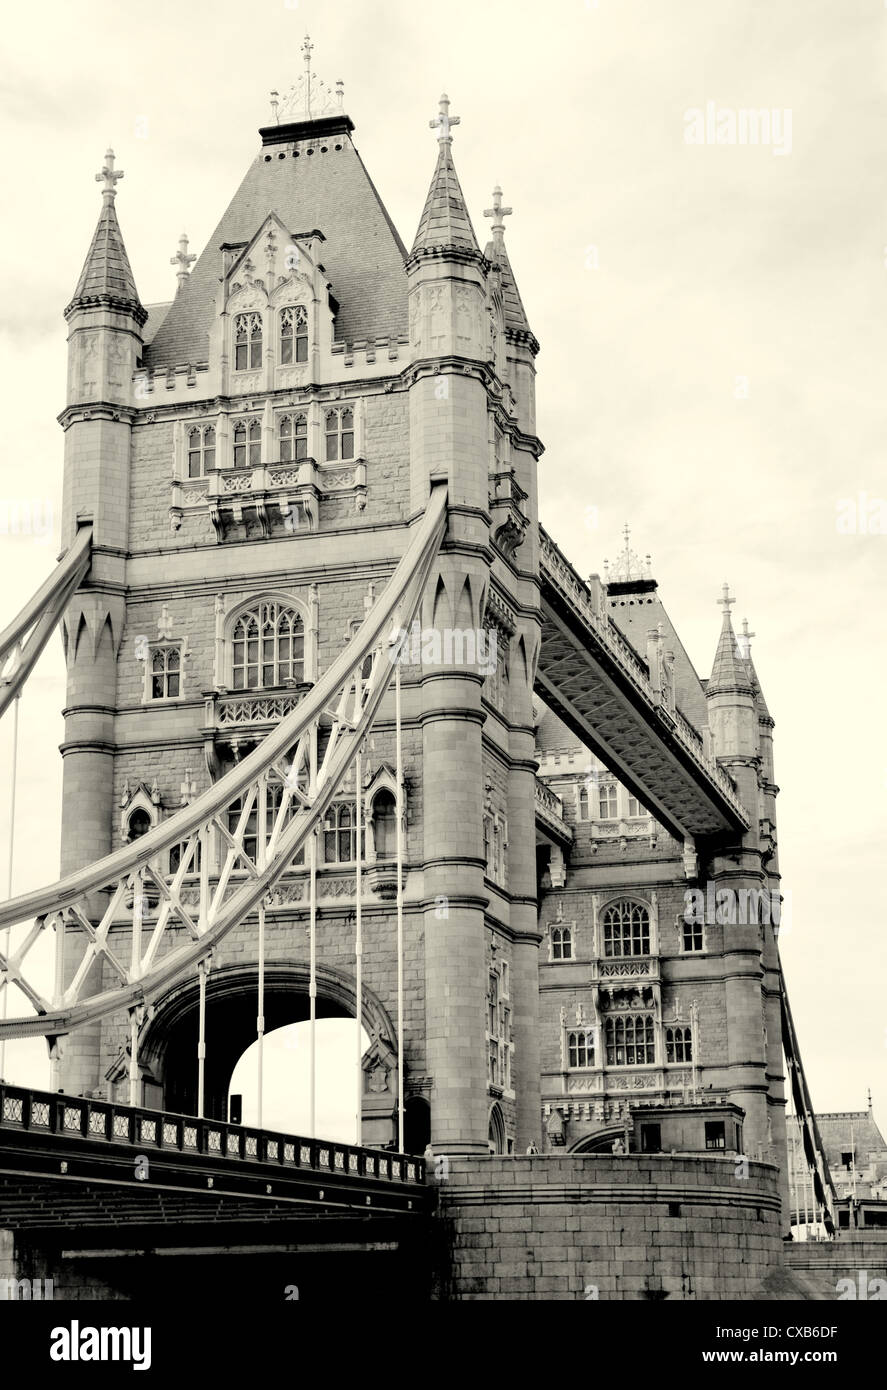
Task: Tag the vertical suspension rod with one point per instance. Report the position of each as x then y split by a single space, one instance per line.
400 1023
7 939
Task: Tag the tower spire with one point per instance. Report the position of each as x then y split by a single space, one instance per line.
445 224
729 670
106 279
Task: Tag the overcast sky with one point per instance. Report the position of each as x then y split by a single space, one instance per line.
713 321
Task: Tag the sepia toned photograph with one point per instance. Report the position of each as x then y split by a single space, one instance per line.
443 522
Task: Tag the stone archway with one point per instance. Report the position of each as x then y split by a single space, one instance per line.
497 1139
168 1040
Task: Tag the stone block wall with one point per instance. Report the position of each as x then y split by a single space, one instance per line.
605 1227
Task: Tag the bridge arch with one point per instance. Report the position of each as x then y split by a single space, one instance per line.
168 1039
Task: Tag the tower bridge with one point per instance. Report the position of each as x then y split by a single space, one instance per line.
274 810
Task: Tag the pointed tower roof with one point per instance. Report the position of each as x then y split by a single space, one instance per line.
730 670
106 278
635 606
744 643
310 174
515 314
445 224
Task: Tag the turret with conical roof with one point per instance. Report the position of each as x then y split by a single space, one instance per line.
105 320
521 344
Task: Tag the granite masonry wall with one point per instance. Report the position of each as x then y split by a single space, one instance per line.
605 1227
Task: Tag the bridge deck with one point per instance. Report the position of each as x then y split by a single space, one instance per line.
76 1161
595 681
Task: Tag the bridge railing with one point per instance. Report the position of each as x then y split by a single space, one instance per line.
147 1131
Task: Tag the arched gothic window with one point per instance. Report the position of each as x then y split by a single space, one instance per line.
293 438
385 824
339 435
580 1048
630 1041
166 668
293 335
247 444
583 803
138 824
247 342
561 943
338 834
626 929
267 647
608 801
201 450
678 1045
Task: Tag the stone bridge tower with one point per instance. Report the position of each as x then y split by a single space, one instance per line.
252 456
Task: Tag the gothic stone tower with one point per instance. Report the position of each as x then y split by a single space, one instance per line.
252 457
644 1005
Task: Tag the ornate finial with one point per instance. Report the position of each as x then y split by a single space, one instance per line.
726 602
307 49
444 120
743 641
182 260
498 212
308 98
109 176
628 566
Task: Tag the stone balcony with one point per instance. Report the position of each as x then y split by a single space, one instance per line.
273 499
234 722
550 816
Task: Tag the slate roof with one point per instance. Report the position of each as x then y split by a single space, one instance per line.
445 220
835 1129
156 314
635 621
106 277
363 255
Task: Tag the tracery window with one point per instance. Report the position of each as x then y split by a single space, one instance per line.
267 647
293 438
247 444
608 801
201 450
678 1045
629 1040
339 842
166 673
580 1048
293 335
583 803
339 434
626 929
561 943
247 342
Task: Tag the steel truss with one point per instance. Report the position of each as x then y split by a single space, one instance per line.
344 702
